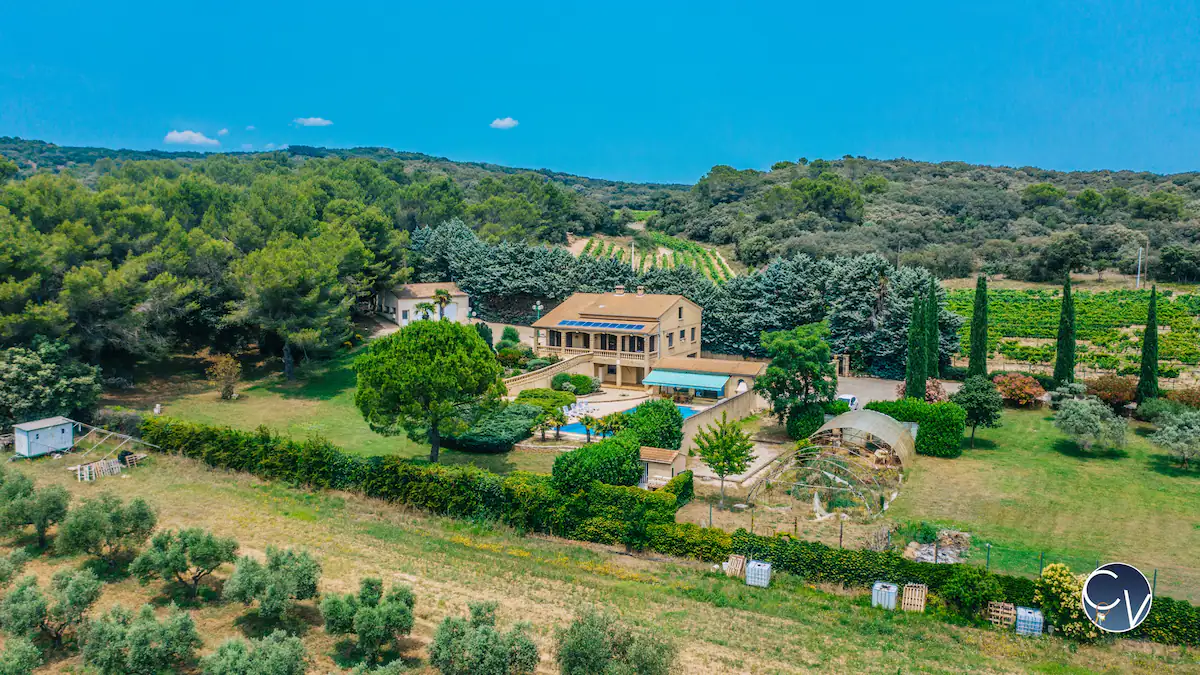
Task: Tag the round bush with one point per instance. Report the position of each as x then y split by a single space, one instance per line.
805 421
970 589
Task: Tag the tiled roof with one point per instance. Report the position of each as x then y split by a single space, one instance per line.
425 291
720 366
629 307
658 455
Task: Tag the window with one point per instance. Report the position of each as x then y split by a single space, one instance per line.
670 340
682 335
555 338
653 343
404 315
612 370
681 313
693 334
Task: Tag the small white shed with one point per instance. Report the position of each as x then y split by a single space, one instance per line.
42 437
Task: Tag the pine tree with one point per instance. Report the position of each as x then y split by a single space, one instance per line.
1064 360
977 366
915 370
933 338
1147 387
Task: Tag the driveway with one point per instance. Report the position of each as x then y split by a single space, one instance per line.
869 389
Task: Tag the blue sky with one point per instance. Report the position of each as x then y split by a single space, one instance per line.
635 91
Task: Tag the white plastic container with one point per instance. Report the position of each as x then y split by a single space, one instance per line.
758 573
1029 621
883 595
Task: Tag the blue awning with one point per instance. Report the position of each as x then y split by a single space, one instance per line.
686 380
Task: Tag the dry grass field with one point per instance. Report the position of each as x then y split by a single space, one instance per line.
720 625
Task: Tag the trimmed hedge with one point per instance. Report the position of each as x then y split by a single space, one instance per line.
615 460
815 561
682 487
688 540
658 424
941 425
497 431
548 400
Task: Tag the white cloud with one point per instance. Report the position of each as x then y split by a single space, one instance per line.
505 123
250 128
189 138
223 132
312 122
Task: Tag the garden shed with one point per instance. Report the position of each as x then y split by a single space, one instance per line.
869 433
42 437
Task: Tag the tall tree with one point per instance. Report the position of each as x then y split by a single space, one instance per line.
933 336
801 371
977 366
423 378
915 369
725 449
1064 359
982 402
1147 387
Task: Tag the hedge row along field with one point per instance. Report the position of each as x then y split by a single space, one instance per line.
1109 324
600 513
683 254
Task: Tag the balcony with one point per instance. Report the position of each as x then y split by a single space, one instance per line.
624 357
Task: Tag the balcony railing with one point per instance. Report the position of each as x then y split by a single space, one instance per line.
603 353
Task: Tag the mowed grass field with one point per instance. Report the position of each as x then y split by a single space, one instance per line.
1028 489
321 401
719 624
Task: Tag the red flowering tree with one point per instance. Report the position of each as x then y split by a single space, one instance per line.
1019 389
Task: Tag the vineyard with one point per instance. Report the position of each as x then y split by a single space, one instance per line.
1022 326
655 249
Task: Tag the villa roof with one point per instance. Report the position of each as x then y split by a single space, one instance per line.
720 366
645 309
658 455
425 291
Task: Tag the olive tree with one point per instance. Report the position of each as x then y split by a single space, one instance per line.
376 619
186 556
288 576
473 646
26 611
120 642
275 654
106 528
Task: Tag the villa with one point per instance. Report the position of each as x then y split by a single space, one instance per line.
626 334
400 304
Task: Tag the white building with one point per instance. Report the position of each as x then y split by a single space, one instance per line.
42 437
399 305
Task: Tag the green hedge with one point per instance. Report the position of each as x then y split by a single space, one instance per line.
497 431
581 383
682 487
546 399
687 540
658 424
804 421
615 460
1172 622
941 425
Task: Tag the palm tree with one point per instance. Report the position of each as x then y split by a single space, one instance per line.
544 422
589 425
441 298
425 309
557 419
604 427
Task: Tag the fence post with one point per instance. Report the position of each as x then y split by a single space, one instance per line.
710 514
841 528
1154 584
1041 561
796 527
751 520
987 566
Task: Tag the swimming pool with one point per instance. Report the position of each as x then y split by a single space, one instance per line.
577 428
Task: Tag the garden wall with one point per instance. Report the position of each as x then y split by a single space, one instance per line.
737 407
580 364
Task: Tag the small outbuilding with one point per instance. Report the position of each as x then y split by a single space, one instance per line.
660 465
870 434
42 437
704 378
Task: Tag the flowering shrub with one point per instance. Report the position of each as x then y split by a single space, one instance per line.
1019 389
1057 592
1189 397
934 392
1114 390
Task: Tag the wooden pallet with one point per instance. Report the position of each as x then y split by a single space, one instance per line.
85 473
1002 613
914 597
134 460
736 566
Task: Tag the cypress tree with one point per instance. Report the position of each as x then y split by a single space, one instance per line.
915 370
979 331
933 340
1064 359
1147 387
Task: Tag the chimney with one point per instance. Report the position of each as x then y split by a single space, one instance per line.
641 291
620 290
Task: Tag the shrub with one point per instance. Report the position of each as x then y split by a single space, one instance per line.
934 391
940 425
548 400
559 379
598 643
682 487
288 576
1152 409
485 333
583 384
804 421
536 364
224 373
688 540
1057 593
507 356
185 557
121 420
510 334
106 528
24 611
377 620
970 589
835 407
1114 390
1189 397
20 657
276 654
1090 422
118 642
615 460
473 646
497 430
658 424
1019 389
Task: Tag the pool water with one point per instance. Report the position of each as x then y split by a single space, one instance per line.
577 428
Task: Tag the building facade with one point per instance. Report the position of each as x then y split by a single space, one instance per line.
626 333
400 305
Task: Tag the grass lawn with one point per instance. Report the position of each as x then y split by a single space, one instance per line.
719 624
1028 489
321 401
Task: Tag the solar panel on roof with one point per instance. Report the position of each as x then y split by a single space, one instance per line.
598 324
